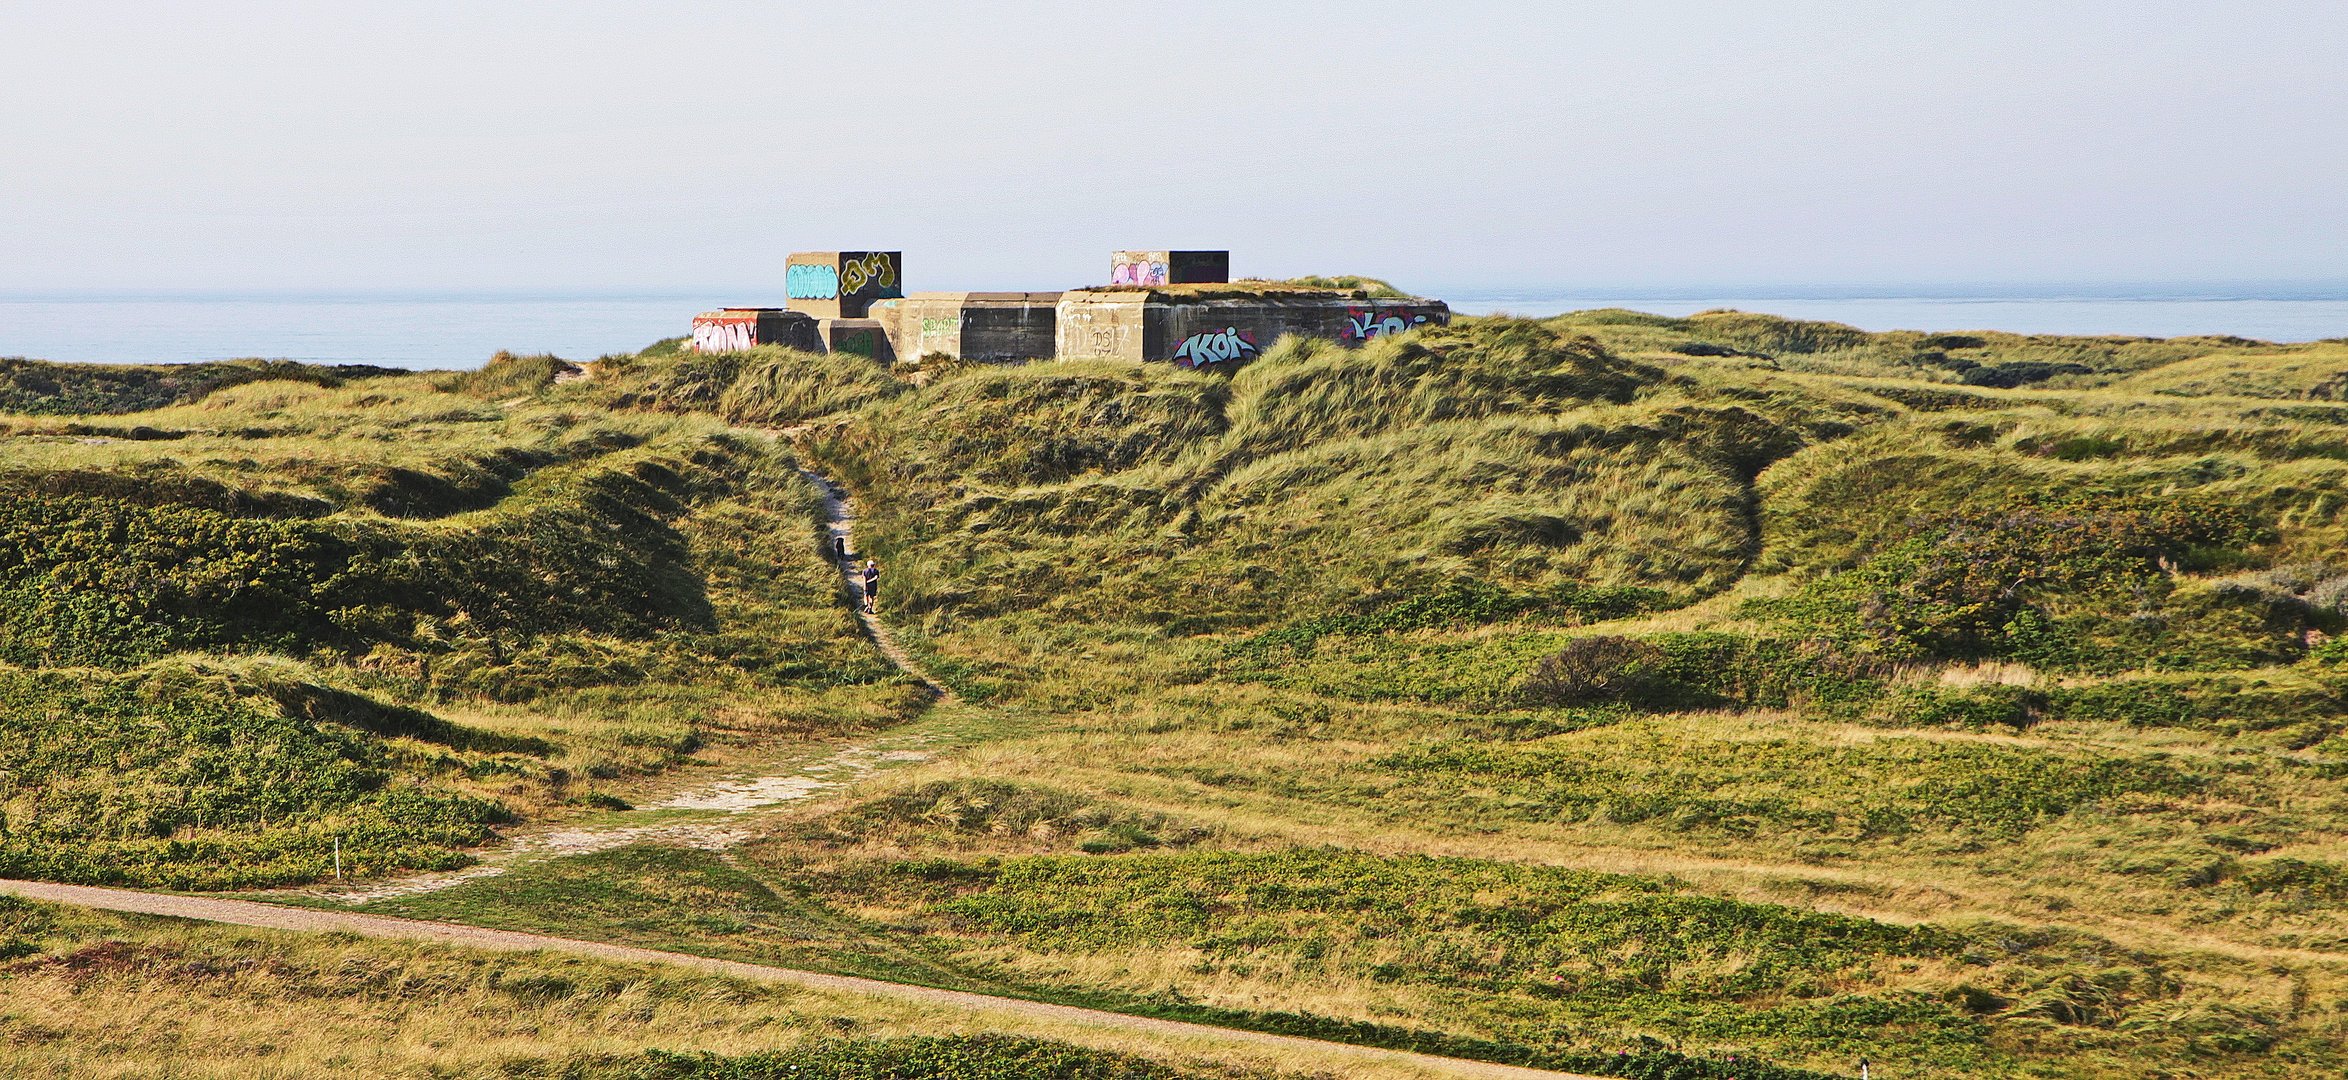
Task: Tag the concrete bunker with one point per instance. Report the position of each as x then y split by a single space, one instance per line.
984 327
734 329
1227 327
1169 267
1171 306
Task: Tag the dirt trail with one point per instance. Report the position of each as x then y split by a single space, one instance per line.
840 535
740 798
274 917
734 795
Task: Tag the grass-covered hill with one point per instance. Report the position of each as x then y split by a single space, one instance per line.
394 611
1614 692
32 386
2015 652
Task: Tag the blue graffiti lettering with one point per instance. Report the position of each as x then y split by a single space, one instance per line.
1215 348
811 281
1363 325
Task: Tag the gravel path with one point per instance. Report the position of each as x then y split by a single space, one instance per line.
271 916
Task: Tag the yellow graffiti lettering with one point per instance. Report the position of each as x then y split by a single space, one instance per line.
874 268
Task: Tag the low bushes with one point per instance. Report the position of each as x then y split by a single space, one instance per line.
179 777
2055 582
1704 669
1596 670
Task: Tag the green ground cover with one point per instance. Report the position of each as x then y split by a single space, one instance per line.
390 612
1532 690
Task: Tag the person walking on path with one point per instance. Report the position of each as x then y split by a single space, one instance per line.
839 549
871 585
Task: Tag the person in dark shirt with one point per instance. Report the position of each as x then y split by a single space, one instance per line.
871 584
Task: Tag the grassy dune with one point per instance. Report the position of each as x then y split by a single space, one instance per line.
1621 693
392 611
1789 614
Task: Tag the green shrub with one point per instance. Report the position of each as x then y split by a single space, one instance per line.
2035 582
1994 705
1596 670
1707 668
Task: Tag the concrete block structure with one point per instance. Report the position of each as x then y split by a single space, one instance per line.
1161 306
984 327
841 284
1223 330
861 337
1169 267
734 329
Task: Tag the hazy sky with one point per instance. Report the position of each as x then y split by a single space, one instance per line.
658 148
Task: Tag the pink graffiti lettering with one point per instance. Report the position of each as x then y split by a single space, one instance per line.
1215 348
1363 325
1138 273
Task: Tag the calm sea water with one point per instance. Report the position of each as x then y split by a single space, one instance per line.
442 332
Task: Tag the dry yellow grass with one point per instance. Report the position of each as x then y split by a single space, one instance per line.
142 998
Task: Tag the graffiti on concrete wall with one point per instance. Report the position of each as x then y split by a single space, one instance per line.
1363 325
860 342
1137 272
724 335
1215 347
810 281
874 269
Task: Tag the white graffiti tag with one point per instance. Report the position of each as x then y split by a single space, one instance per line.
1363 325
714 336
1215 348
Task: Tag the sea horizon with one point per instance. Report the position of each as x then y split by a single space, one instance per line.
452 328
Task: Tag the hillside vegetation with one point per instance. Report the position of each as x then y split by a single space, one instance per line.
102 996
1716 697
2017 652
390 613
